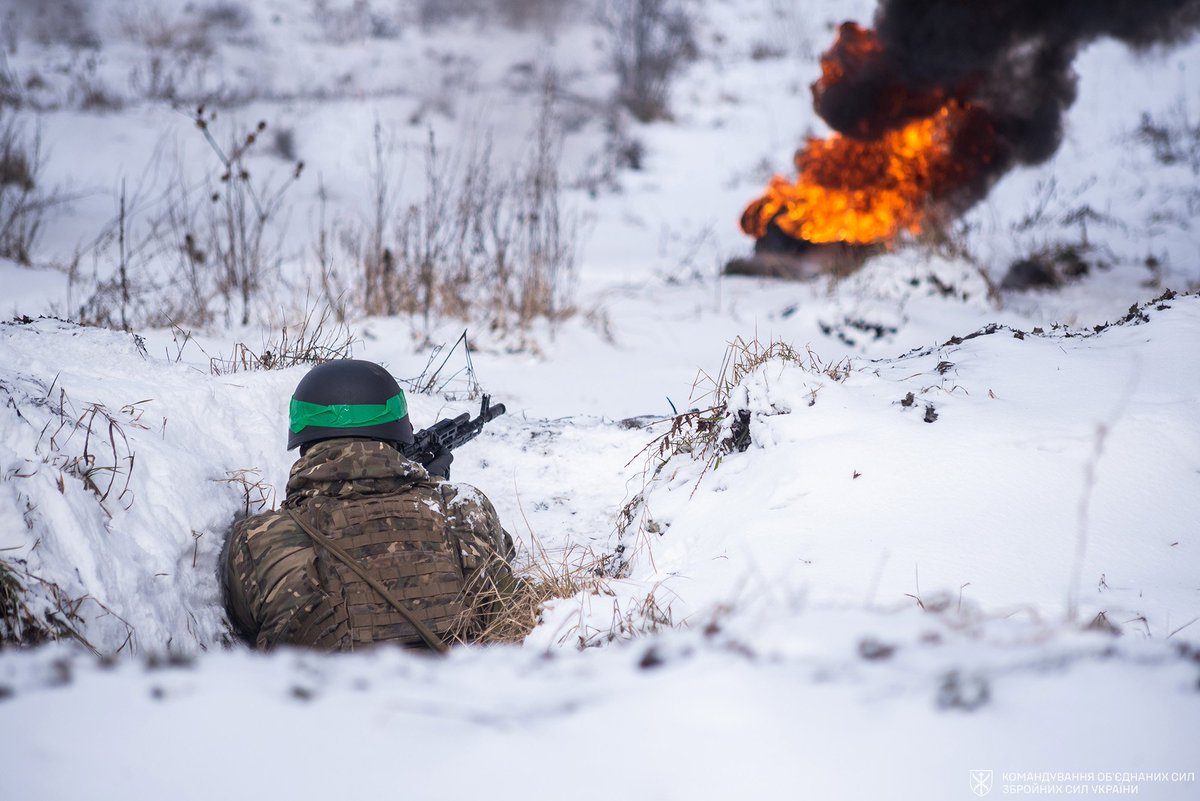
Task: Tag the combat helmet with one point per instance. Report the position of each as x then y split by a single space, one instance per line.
348 398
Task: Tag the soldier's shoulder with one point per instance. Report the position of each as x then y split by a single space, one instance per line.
263 524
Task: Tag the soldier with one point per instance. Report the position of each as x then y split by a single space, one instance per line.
368 546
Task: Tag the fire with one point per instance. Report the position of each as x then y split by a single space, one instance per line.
859 93
887 177
863 192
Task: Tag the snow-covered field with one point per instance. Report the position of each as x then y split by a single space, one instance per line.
963 538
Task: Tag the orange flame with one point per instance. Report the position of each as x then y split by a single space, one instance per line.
874 186
863 192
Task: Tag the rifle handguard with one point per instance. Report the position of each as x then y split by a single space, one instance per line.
446 435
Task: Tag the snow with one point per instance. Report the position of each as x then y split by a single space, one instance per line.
1041 445
861 605
794 709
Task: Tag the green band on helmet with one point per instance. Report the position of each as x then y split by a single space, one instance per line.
346 415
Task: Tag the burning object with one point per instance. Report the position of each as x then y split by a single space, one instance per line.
863 192
928 110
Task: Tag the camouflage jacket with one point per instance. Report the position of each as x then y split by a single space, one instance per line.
438 547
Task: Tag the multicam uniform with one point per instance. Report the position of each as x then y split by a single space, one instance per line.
435 545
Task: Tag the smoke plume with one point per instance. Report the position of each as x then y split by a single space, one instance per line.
1011 58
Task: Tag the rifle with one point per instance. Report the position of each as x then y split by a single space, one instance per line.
446 435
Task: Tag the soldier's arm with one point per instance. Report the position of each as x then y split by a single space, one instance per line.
269 578
470 512
238 583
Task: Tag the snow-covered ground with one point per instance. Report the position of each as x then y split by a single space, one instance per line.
940 554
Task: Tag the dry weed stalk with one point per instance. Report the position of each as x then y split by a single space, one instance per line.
240 216
194 253
23 202
697 431
743 358
126 253
21 625
105 463
650 42
646 616
318 338
711 432
257 494
475 242
431 379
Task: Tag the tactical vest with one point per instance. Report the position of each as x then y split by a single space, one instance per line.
404 542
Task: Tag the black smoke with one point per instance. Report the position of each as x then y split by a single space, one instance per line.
1011 58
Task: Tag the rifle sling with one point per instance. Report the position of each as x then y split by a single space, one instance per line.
431 639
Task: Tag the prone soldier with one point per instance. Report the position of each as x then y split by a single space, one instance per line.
368 546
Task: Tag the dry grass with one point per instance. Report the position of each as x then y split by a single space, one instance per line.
241 216
89 446
650 41
18 624
342 24
743 358
318 338
645 616
202 253
698 432
54 615
478 242
102 457
23 200
438 380
712 431
51 22
21 625
1173 137
258 495
179 48
505 611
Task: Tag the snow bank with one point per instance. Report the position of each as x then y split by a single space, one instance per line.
124 469
805 705
117 492
1006 472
